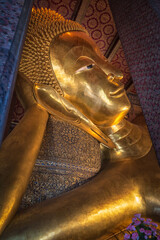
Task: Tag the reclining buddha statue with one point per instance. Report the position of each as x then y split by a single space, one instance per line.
70 91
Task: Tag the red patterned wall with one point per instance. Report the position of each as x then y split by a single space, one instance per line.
99 23
64 7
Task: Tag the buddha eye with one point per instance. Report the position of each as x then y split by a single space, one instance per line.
90 66
85 68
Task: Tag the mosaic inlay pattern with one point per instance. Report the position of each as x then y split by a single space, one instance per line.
68 157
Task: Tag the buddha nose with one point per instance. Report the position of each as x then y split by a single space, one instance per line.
115 73
111 77
114 79
118 74
108 68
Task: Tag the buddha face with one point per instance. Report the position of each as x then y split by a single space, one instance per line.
88 81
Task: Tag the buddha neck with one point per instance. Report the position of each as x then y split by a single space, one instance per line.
131 141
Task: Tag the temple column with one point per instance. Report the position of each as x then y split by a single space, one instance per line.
138 25
14 16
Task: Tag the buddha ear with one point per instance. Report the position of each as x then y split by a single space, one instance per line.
24 91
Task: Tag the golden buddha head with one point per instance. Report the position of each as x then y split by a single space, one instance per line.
60 53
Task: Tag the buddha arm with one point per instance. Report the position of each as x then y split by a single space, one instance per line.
17 157
61 108
108 200
84 213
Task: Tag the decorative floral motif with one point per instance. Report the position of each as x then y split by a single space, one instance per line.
99 23
64 7
69 135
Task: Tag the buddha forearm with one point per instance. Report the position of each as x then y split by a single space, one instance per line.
17 157
84 213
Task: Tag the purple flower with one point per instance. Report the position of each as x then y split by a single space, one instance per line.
148 232
137 223
153 229
154 234
154 224
134 219
146 222
149 220
135 236
137 215
127 236
142 230
131 228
